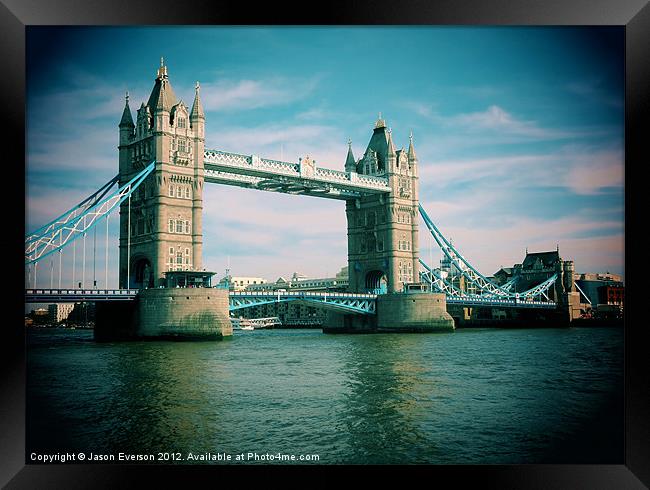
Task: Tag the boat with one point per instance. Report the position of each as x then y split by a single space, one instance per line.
254 323
241 324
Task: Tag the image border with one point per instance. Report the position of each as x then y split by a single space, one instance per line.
16 15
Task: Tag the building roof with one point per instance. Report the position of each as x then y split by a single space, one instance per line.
379 144
506 270
547 259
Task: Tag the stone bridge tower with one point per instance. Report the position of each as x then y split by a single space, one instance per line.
383 230
163 229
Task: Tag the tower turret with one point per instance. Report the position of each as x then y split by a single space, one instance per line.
412 157
350 164
197 116
162 99
126 133
391 154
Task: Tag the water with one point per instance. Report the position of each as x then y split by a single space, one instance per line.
475 396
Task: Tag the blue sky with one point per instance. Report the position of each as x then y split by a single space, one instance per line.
519 132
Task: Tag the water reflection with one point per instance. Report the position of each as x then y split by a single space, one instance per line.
388 396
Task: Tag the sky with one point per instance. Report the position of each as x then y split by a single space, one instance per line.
519 133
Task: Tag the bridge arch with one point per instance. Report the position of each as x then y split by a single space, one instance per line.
141 273
376 282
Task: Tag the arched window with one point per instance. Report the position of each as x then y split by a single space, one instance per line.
187 192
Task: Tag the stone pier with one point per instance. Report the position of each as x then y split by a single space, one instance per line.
166 313
406 312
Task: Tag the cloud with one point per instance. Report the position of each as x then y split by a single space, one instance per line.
593 92
581 169
231 95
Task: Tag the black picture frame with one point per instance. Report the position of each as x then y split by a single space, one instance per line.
15 15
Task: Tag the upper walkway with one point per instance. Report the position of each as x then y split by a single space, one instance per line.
292 178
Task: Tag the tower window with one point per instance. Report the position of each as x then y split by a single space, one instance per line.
171 250
187 227
179 226
181 122
187 192
171 190
171 226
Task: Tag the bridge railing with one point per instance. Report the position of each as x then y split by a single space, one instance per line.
303 293
83 292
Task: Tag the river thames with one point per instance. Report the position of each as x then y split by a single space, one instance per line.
475 396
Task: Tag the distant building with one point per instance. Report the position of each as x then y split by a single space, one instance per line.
299 282
296 313
503 275
611 294
82 313
59 312
40 316
601 288
239 283
453 274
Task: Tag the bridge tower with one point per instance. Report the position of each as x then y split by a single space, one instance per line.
163 230
383 229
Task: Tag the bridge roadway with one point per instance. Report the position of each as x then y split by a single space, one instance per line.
348 302
304 178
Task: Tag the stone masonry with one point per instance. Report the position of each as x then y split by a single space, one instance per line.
166 210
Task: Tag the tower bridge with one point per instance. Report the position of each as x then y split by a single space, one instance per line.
163 168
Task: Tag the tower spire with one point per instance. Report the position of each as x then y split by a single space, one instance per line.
350 164
391 146
381 123
411 152
127 118
197 107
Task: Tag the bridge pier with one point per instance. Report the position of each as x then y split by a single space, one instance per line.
407 312
166 313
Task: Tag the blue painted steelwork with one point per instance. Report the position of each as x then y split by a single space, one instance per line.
485 286
444 286
364 304
80 219
78 210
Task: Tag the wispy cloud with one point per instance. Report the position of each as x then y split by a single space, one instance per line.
594 92
579 168
231 95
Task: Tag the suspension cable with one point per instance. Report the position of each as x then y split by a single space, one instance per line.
74 263
83 268
94 257
106 259
128 247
